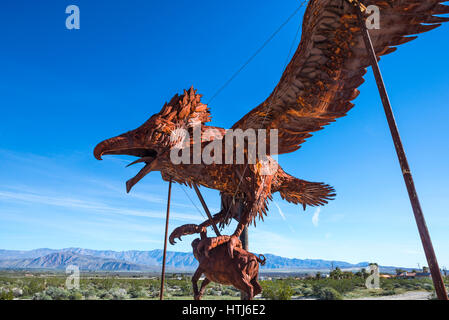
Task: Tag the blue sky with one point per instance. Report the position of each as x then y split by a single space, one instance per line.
62 91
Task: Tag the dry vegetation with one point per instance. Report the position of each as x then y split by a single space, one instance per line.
51 286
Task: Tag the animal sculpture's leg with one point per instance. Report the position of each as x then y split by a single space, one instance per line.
256 286
244 285
195 279
205 282
193 228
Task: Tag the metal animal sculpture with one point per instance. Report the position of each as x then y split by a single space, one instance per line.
316 88
240 270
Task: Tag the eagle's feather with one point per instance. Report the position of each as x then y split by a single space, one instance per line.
321 80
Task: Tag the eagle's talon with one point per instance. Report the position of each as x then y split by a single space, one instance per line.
234 242
184 230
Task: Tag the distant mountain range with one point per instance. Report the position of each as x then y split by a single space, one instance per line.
149 261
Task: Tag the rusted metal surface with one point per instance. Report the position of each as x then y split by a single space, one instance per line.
161 295
244 238
206 209
316 88
408 179
241 270
245 246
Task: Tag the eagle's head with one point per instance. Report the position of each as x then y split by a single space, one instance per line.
153 140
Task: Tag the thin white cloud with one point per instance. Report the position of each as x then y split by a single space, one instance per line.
139 195
280 211
316 217
104 229
50 167
73 203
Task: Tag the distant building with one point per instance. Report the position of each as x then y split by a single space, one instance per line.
413 275
407 275
423 275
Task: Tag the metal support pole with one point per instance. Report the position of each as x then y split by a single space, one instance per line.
203 203
244 240
419 217
161 295
244 234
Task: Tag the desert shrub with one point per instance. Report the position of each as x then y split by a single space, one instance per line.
303 290
276 290
89 291
34 286
328 293
186 288
389 292
407 284
298 291
76 295
118 294
427 286
228 292
215 292
136 292
17 292
57 293
106 296
41 296
153 293
105 284
340 285
307 292
6 295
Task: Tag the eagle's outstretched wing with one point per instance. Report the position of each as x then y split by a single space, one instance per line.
321 80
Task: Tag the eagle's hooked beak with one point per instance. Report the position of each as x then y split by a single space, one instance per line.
126 144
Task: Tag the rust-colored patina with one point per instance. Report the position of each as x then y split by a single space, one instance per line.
245 182
240 270
316 88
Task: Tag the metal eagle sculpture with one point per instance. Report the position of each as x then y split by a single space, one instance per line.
316 88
